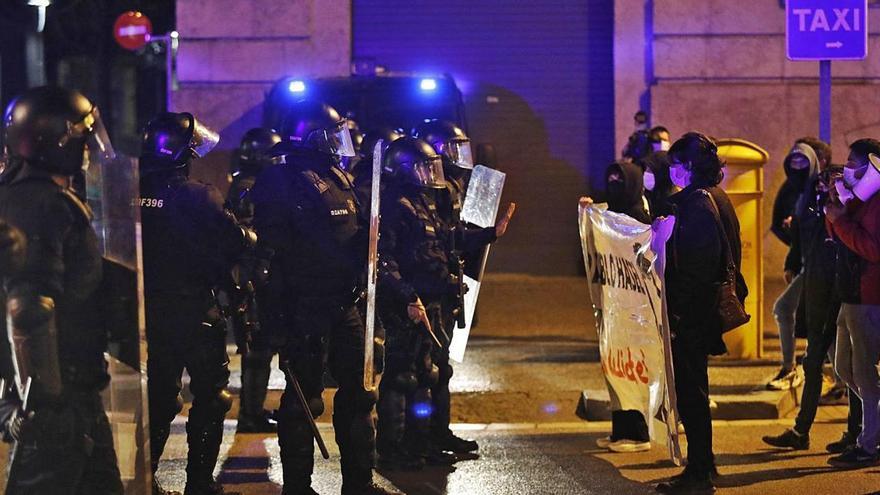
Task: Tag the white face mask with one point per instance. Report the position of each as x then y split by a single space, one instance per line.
649 180
849 176
680 176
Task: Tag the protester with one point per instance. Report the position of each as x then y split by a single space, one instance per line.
800 164
624 190
812 256
695 266
658 186
855 223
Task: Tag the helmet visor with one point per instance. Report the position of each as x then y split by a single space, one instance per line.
429 173
340 141
459 152
204 139
91 129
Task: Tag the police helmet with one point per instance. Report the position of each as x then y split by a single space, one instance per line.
410 160
172 140
56 130
318 126
448 140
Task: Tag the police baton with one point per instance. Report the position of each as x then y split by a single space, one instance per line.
285 367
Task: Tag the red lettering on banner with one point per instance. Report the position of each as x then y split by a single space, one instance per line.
620 363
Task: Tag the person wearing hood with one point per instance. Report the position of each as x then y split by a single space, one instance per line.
624 190
812 256
800 165
853 217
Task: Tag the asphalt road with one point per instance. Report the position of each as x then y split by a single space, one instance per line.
556 459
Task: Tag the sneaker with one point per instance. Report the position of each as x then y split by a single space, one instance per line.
834 397
629 446
604 442
846 441
855 457
789 439
785 379
689 483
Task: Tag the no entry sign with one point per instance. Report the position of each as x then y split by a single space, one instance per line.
826 30
132 30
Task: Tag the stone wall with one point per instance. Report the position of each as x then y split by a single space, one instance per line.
720 67
231 51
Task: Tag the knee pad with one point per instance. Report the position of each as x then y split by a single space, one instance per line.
405 382
446 370
430 378
293 409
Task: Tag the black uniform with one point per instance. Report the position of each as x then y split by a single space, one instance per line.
468 244
307 212
70 447
190 244
415 267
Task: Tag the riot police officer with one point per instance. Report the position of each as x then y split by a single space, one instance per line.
414 282
453 145
63 438
307 212
190 245
254 155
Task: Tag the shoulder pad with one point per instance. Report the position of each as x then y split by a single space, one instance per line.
76 205
407 205
345 179
315 180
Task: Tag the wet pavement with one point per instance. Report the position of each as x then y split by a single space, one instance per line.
554 459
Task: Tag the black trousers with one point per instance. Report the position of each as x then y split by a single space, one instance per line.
70 452
821 332
187 332
691 367
324 331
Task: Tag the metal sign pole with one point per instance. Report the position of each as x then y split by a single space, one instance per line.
825 100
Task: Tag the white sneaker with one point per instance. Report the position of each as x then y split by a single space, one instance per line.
785 380
603 442
629 446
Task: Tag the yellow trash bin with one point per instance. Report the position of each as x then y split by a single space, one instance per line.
744 183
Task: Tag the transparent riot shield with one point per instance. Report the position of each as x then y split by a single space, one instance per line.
112 190
480 208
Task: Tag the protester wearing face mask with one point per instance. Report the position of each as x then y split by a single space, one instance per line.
658 186
659 138
695 266
855 224
800 165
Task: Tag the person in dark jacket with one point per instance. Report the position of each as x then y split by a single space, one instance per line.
801 164
624 191
695 266
812 256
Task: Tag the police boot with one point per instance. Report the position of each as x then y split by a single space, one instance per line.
448 441
252 418
297 455
204 447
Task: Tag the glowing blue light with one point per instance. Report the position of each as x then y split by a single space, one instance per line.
550 408
296 86
428 84
422 410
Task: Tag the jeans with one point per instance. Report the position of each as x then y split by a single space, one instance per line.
858 352
784 310
691 367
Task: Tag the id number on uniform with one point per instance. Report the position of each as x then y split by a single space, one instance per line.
151 202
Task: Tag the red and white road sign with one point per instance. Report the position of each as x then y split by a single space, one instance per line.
132 30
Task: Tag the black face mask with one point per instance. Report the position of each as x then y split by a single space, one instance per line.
615 189
799 176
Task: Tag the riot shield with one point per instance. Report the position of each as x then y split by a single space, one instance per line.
112 191
480 208
372 269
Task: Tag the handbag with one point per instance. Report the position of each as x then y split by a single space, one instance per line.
730 307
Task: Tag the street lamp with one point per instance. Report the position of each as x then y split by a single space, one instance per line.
41 6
